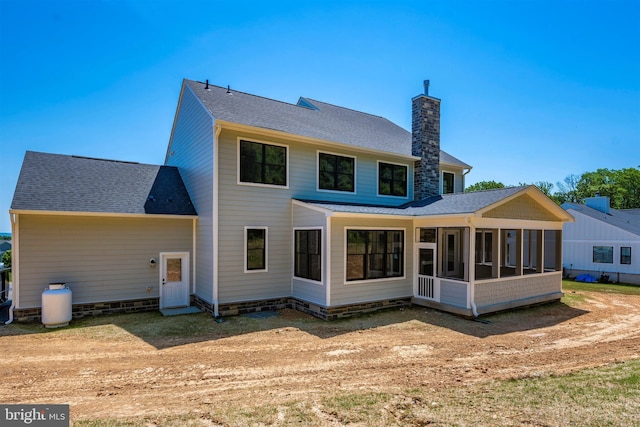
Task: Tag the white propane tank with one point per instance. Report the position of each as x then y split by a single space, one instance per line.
56 305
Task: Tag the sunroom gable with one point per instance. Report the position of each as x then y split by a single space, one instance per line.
526 206
522 207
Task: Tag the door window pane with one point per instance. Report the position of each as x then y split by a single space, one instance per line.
174 269
426 262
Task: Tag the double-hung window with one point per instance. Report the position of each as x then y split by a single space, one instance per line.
308 254
603 254
374 254
625 255
263 163
336 173
255 239
392 179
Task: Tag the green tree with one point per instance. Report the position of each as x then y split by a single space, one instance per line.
628 181
6 259
484 185
621 186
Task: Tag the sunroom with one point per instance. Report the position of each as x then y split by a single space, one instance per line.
470 253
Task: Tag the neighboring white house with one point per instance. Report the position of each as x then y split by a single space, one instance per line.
602 241
306 205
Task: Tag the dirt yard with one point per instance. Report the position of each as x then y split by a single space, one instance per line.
146 365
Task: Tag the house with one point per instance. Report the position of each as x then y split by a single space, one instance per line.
602 241
308 205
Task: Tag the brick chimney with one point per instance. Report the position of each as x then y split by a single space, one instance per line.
425 136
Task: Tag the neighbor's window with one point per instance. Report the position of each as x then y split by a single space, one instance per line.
392 179
603 254
335 172
256 249
308 261
625 255
447 183
263 163
375 254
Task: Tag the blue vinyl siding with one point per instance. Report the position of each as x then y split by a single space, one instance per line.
343 292
304 176
191 150
268 206
303 289
453 293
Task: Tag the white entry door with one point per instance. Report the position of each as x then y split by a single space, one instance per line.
174 279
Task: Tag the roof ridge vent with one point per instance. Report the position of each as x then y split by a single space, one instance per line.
104 160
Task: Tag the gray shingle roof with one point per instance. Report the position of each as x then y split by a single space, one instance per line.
627 220
448 204
310 118
61 183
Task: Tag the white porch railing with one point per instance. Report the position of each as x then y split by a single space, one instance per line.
427 287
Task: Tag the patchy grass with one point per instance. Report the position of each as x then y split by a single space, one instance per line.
605 396
572 285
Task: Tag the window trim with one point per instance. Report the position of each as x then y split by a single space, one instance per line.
382 279
406 166
322 255
258 184
266 249
355 174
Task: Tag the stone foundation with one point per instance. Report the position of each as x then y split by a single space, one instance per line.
228 309
79 311
322 312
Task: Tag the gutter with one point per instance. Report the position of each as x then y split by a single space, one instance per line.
216 224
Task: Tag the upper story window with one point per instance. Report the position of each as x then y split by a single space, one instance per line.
336 173
263 163
392 179
448 183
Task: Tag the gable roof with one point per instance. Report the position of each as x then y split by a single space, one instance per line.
627 220
447 204
61 183
309 118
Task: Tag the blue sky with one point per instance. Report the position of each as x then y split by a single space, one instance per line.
531 90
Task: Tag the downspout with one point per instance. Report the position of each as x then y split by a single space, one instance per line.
194 256
217 129
14 264
464 181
